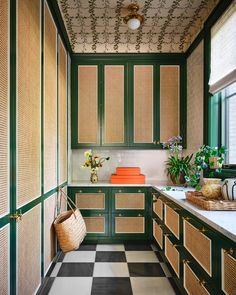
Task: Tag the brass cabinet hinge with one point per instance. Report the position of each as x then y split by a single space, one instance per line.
16 216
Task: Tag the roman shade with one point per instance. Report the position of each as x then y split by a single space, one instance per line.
223 57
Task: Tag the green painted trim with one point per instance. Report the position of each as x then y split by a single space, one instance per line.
195 43
53 5
13 25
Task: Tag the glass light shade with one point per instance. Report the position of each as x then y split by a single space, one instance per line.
133 23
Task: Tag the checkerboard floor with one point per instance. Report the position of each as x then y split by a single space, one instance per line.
110 270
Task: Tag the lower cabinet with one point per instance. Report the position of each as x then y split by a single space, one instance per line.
114 213
228 269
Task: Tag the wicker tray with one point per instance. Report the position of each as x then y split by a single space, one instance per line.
197 198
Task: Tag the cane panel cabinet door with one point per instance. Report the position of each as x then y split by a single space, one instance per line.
114 105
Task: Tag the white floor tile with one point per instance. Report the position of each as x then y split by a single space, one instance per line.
166 270
110 269
141 256
80 256
151 286
110 248
55 269
71 285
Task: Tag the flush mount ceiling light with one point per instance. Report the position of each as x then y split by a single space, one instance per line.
133 19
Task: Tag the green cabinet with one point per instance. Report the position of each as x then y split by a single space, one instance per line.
129 102
114 213
201 260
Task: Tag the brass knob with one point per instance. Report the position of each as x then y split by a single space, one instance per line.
154 142
99 190
140 215
120 191
185 261
157 142
99 214
139 191
186 218
176 209
80 191
120 214
176 245
167 234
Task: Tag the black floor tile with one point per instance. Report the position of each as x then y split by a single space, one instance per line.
76 270
87 248
173 284
114 286
145 270
159 256
110 256
47 284
138 247
61 257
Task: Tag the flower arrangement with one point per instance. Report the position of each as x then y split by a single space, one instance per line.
94 162
177 165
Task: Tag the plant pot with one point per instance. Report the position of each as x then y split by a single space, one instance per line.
213 163
94 177
180 180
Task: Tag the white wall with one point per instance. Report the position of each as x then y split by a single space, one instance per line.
151 162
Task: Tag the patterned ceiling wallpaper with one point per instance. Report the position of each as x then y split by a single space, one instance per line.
96 26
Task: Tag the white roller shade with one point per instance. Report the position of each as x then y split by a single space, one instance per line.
223 51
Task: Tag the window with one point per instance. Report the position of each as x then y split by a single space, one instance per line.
222 84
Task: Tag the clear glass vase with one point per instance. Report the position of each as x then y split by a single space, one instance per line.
94 177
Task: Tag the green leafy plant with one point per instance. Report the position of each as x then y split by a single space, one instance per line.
177 165
202 161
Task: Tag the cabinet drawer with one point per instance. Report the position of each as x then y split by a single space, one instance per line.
158 234
158 206
172 254
172 220
95 224
90 201
228 274
192 284
129 225
198 245
129 201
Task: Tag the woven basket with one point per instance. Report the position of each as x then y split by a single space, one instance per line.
198 199
70 227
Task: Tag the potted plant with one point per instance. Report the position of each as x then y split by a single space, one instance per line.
177 165
205 158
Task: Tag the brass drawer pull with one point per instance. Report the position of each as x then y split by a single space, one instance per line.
176 209
100 214
139 191
167 234
229 251
100 191
154 142
140 215
120 215
185 261
120 191
202 282
187 218
80 191
176 245
202 230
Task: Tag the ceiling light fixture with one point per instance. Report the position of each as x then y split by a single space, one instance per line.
133 19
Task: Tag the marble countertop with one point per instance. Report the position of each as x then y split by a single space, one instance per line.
222 221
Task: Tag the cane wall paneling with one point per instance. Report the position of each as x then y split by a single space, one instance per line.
169 102
28 101
4 259
29 251
195 66
62 203
143 104
50 207
62 86
114 104
4 106
50 102
87 104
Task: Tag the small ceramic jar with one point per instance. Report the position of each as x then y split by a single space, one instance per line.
229 189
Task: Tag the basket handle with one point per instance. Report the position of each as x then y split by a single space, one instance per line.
68 199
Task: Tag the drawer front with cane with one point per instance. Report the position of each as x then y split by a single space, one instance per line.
172 254
158 234
228 271
172 220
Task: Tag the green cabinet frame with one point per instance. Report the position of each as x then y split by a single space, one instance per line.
128 60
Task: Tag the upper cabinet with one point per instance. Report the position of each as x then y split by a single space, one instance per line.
130 103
